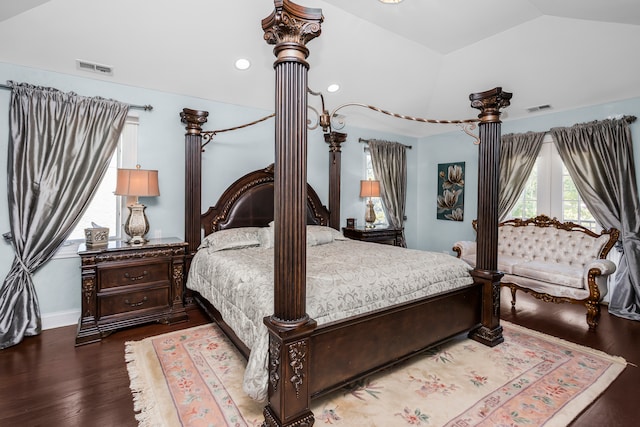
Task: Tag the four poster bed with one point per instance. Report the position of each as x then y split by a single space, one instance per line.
325 313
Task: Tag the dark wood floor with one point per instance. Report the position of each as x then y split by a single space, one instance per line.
46 381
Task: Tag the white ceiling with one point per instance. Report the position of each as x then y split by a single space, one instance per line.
421 58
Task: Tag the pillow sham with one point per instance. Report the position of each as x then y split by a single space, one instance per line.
232 238
321 235
316 235
265 236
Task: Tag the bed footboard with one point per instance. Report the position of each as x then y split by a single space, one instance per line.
343 352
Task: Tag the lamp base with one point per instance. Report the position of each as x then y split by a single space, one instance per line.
137 225
370 215
137 240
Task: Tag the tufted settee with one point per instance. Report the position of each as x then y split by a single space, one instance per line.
553 261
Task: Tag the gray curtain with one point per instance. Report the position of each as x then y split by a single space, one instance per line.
59 148
599 158
389 161
518 154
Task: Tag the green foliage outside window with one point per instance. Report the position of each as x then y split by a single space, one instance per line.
527 206
573 208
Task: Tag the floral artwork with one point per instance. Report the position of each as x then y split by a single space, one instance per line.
451 191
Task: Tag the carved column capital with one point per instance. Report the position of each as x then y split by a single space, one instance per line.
290 27
335 140
489 103
194 119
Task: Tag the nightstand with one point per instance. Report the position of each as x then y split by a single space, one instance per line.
126 285
389 236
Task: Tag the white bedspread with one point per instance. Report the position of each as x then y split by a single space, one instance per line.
344 278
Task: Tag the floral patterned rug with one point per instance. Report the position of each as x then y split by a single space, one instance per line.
193 377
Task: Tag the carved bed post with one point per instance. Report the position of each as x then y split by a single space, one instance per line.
193 119
289 28
486 271
335 140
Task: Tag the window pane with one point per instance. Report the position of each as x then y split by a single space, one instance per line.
585 215
527 205
569 190
102 209
531 209
570 210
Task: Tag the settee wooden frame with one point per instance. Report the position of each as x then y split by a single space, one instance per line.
307 360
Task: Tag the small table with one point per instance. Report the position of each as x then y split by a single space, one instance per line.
389 236
125 285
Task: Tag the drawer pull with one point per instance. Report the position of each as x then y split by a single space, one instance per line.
135 304
134 278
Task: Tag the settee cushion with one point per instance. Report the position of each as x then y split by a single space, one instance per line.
551 272
505 262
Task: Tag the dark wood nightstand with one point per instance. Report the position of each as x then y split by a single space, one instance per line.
389 236
125 285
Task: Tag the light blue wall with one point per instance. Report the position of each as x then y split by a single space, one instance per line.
440 235
161 147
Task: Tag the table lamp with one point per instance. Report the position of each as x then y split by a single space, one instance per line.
369 188
137 183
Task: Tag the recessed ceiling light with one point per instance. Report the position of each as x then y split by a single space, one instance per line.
333 87
242 64
390 1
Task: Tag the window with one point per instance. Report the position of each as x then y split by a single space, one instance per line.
527 206
550 190
378 207
573 207
106 209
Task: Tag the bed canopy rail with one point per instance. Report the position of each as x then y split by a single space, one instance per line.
366 141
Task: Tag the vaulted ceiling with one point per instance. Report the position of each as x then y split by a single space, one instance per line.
419 58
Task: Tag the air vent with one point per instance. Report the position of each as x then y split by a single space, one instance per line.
93 67
538 108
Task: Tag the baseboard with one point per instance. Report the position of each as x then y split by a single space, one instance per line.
60 318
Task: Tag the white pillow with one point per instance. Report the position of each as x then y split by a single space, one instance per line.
316 235
321 234
232 238
265 236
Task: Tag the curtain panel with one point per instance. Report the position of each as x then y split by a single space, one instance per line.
599 158
389 161
60 145
518 154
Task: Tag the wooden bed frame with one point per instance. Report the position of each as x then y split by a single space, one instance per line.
307 360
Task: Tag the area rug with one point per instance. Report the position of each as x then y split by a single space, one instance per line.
193 377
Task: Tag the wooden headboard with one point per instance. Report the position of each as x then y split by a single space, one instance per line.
249 202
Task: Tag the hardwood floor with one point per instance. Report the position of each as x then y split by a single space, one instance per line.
46 381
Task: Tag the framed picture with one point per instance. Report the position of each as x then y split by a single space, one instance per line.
451 191
351 222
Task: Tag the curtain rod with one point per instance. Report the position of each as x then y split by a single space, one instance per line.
366 141
134 107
